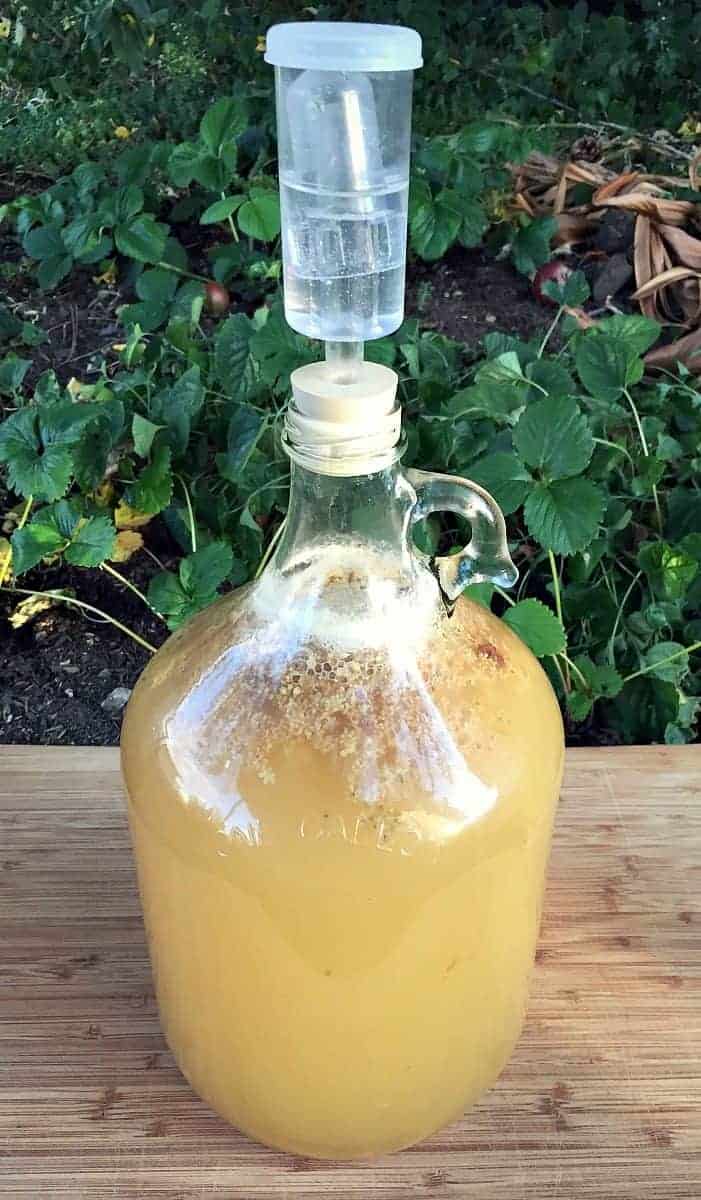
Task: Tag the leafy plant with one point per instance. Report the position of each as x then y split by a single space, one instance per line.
596 465
456 183
575 449
81 219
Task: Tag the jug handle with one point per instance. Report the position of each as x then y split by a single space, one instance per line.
486 557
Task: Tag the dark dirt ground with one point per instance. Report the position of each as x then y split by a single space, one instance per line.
56 671
469 293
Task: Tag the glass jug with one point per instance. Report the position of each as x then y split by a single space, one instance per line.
342 781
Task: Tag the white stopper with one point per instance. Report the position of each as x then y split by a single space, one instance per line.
344 428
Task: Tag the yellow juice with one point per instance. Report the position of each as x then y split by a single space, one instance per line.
341 859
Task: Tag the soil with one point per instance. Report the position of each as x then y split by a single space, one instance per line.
58 670
470 293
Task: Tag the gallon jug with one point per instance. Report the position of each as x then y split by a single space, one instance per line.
341 782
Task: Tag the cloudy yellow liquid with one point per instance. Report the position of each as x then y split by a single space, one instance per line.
342 889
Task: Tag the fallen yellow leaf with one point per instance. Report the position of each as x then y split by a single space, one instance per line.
12 518
689 127
104 495
29 608
5 559
127 543
109 275
126 517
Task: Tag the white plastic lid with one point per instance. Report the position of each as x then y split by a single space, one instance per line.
343 46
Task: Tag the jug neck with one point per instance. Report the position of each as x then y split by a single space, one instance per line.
366 511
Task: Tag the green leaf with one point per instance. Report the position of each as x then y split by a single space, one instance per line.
62 423
478 139
481 593
92 542
87 177
201 573
602 365
148 315
221 209
128 201
153 488
505 477
579 705
670 569
225 120
530 247
183 164
91 455
173 415
33 335
383 351
537 626
35 443
602 679
175 254
648 472
259 216
188 302
188 391
211 173
636 332
434 224
550 375
552 436
45 241
497 343
233 365
564 516
81 235
474 223
166 595
500 391
245 428
683 512
10 326
656 660
12 372
157 286
573 290
63 527
53 270
142 239
34 542
63 516
143 432
279 350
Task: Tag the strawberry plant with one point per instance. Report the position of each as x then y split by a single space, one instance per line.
595 466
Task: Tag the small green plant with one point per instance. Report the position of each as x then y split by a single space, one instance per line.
81 220
597 470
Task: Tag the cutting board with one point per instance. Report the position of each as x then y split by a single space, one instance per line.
601 1100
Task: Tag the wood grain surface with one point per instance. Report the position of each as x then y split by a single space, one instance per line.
601 1101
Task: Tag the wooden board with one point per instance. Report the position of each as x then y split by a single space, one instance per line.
601 1101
